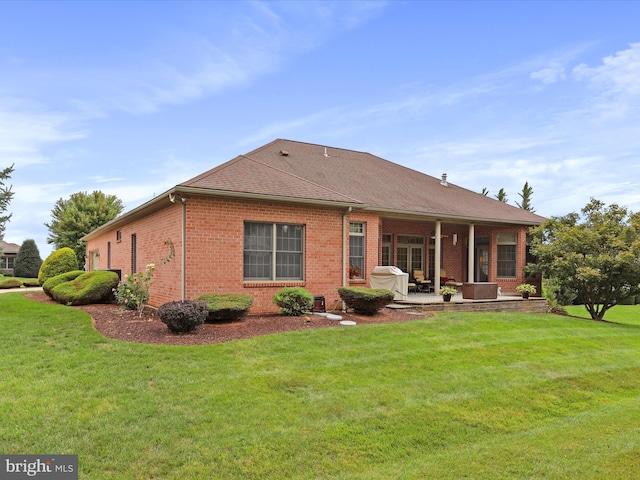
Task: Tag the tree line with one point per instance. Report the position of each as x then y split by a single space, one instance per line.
525 197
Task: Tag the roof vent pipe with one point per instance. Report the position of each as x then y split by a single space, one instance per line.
443 182
325 152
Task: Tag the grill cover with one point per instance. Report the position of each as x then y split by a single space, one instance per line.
391 278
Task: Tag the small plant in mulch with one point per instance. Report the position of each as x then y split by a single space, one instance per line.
183 316
293 301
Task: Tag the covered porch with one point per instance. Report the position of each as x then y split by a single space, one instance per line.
454 252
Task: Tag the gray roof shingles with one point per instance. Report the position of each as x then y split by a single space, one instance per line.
352 177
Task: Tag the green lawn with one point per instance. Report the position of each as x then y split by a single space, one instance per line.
629 314
458 395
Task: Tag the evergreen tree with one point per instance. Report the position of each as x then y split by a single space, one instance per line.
5 198
525 195
502 196
484 191
28 260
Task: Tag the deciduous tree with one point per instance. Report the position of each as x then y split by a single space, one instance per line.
82 213
595 254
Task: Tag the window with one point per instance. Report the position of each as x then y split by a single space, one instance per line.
507 254
387 249
134 253
410 253
7 262
356 250
119 236
266 259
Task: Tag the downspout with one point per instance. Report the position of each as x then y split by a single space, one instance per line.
183 279
184 249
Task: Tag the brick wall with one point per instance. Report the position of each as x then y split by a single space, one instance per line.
151 232
215 248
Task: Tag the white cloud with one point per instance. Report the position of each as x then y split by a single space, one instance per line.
24 131
616 84
618 74
550 74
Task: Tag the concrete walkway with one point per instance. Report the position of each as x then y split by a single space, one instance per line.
20 290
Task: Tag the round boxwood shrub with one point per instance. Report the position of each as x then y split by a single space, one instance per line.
58 279
226 307
61 261
366 301
293 301
10 283
183 316
90 287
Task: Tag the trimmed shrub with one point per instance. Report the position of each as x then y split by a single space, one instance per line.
226 307
62 260
10 283
366 301
183 316
31 282
58 279
27 263
90 287
293 301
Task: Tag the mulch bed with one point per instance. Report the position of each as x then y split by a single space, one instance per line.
114 321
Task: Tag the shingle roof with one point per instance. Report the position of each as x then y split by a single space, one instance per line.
9 248
318 173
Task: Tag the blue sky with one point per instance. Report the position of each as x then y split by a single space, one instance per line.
132 98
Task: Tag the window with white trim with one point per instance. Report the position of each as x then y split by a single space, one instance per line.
387 249
356 250
273 251
507 244
7 262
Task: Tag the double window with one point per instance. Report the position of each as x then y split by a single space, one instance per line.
273 251
507 244
6 262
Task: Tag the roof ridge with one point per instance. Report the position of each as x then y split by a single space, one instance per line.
313 144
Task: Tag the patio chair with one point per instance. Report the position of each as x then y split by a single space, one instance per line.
449 281
422 283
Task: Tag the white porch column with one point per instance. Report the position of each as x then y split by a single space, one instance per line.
472 253
438 255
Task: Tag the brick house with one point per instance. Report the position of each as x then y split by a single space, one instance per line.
299 214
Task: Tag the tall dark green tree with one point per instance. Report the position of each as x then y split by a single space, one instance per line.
28 260
5 198
484 191
594 255
502 196
75 217
525 197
